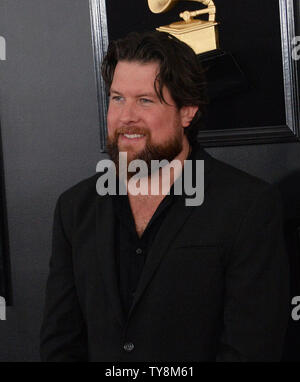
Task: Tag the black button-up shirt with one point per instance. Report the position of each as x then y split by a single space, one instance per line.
131 250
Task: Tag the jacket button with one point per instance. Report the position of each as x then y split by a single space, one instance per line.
129 346
139 251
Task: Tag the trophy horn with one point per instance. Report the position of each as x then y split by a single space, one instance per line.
160 6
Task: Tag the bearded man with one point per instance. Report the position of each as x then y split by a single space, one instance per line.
139 277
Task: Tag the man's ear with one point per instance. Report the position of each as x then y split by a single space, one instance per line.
187 113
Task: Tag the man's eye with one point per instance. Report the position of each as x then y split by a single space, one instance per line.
145 100
116 98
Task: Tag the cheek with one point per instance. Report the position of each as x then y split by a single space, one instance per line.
166 124
111 120
158 120
109 115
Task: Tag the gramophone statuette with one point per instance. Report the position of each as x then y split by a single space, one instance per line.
199 34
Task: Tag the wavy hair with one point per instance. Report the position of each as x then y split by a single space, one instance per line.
179 70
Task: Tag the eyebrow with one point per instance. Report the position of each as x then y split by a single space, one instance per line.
146 95
138 95
114 91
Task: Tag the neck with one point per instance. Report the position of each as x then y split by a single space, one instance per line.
162 184
186 149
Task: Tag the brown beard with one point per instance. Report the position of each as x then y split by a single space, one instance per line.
151 152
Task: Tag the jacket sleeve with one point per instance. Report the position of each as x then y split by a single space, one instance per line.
257 286
63 333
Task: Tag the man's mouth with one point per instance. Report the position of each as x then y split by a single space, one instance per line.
132 136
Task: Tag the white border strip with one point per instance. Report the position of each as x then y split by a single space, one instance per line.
290 76
100 44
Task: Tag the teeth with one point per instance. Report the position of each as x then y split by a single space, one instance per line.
131 136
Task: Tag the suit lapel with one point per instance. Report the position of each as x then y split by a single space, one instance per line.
170 227
168 230
105 223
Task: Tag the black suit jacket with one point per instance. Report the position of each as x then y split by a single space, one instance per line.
214 286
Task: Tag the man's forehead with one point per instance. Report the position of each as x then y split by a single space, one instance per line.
136 77
146 72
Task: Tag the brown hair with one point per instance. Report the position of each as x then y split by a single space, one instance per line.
180 70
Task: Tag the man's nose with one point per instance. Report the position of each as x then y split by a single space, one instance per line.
129 113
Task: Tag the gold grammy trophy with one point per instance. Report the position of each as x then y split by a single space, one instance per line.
201 35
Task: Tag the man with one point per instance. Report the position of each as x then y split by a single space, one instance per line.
147 277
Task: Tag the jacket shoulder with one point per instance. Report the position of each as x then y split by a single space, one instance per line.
227 173
237 185
81 193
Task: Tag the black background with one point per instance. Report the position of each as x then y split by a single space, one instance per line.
250 31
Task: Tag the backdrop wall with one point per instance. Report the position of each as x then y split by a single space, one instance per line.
50 140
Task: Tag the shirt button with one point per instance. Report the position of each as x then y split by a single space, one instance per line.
128 347
139 251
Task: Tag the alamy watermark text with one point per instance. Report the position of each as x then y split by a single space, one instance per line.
155 180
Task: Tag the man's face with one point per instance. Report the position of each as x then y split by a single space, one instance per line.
138 122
